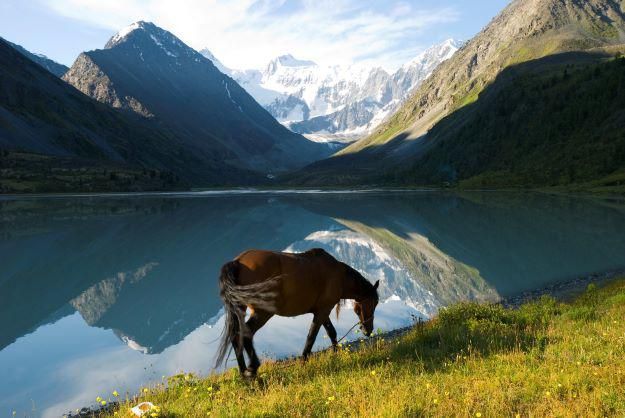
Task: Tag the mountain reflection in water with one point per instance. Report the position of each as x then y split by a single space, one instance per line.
103 293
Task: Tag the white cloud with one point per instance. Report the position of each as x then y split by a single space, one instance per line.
247 33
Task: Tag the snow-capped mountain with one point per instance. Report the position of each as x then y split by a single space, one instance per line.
334 102
148 70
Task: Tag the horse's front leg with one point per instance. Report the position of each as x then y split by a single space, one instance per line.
331 332
312 334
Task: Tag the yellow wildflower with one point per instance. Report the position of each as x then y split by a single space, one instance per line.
478 414
372 372
115 393
102 402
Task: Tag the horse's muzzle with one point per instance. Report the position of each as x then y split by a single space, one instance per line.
365 331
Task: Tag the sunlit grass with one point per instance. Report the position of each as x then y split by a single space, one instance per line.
544 359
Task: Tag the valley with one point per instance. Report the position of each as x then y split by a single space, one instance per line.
534 100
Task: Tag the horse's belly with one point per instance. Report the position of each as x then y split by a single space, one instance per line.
298 297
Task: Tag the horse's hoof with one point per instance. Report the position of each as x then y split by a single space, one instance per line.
249 374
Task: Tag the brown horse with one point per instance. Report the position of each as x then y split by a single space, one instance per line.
274 283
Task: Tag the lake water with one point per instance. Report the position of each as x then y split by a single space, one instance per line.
108 293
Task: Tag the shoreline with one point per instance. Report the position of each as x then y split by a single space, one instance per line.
220 191
216 192
563 290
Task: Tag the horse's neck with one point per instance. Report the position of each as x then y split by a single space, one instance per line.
353 288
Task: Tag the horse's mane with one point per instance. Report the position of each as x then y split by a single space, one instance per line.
364 285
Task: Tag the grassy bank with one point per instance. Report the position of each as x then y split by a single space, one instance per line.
544 359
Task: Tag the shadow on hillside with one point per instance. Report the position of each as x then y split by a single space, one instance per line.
404 159
475 330
461 332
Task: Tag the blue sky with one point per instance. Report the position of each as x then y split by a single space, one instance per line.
247 33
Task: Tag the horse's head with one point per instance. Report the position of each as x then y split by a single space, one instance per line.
365 309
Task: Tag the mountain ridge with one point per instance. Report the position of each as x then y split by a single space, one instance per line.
334 102
149 71
53 137
524 31
478 58
54 67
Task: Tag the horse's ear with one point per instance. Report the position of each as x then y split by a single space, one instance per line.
375 286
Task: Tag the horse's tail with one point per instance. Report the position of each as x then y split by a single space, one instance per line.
235 298
234 316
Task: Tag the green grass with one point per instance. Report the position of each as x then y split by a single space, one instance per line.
544 359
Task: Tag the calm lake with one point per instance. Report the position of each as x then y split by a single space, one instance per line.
108 293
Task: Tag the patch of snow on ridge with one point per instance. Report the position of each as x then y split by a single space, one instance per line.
230 96
126 31
351 239
133 345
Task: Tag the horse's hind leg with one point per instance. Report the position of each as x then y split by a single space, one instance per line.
331 332
254 323
238 348
238 351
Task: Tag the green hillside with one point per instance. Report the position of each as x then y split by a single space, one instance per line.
532 101
554 121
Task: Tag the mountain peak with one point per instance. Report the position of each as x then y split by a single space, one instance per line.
123 33
145 39
287 60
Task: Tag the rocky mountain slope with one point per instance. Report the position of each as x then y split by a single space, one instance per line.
50 65
456 94
53 135
334 102
147 70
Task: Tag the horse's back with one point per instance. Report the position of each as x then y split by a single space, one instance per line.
271 261
306 278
